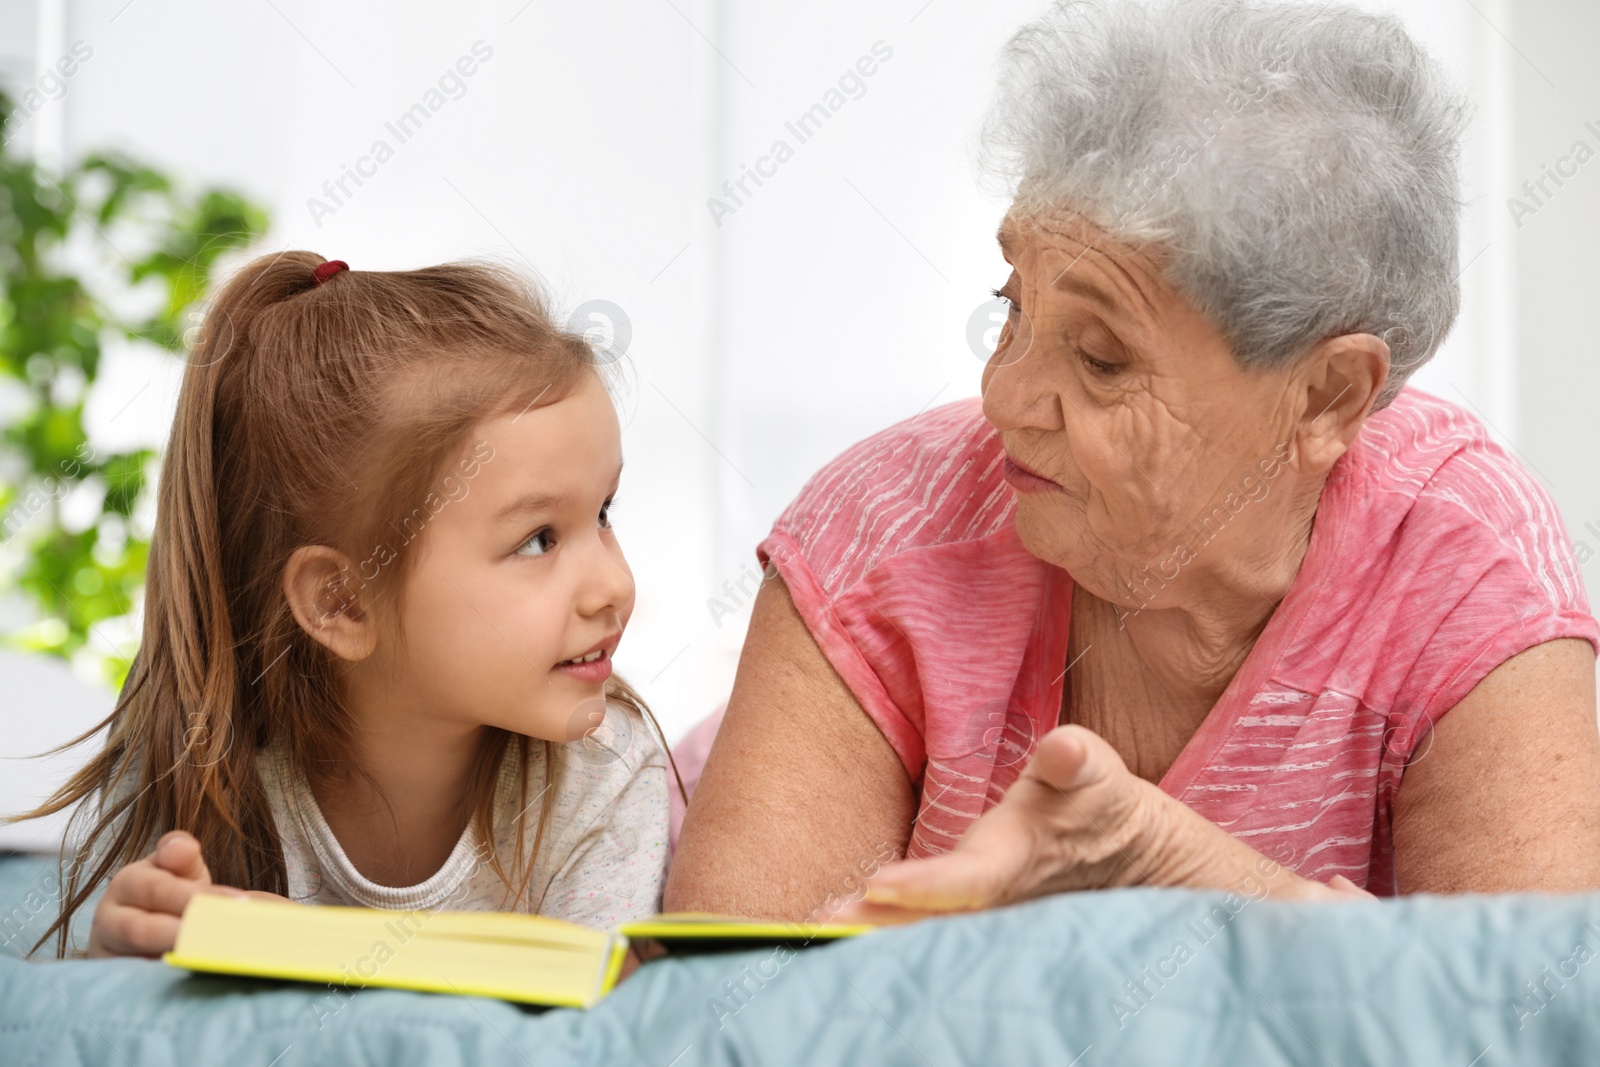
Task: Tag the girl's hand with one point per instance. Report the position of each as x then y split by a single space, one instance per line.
138 916
1077 818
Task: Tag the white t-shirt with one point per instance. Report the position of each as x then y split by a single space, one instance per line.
603 857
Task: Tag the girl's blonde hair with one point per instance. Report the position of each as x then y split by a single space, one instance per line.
309 414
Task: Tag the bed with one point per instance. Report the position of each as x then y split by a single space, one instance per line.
1125 977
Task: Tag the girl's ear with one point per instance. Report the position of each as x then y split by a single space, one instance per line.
316 581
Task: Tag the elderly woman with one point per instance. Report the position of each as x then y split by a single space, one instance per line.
1200 594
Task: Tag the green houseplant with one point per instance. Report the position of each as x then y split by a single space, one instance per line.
75 246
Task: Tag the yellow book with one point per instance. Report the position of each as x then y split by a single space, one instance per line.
527 958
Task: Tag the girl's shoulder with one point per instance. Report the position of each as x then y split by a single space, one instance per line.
618 754
621 738
606 819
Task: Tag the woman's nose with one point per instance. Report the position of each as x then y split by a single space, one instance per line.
1017 394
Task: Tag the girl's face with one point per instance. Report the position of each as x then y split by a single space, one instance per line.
519 575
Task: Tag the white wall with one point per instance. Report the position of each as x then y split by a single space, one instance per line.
1557 259
832 301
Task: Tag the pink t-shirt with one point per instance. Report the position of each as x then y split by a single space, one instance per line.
1434 557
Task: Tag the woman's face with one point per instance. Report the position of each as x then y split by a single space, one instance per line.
1155 448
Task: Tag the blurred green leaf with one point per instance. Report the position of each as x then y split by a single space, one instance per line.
51 326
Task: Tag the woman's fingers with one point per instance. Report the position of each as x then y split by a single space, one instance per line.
1341 884
1070 758
1066 823
866 911
980 873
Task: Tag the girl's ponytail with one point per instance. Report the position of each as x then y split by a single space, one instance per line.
173 757
190 603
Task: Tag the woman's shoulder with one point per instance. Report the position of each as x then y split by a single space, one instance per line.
929 480
1447 546
1413 440
1436 475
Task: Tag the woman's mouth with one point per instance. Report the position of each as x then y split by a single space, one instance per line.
1024 480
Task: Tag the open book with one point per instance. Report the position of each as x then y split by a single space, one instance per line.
526 958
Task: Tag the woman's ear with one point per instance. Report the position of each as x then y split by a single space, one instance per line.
316 581
1342 377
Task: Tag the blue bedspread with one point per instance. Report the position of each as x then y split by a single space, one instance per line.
1128 977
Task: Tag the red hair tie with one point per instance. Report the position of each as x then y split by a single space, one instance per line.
327 270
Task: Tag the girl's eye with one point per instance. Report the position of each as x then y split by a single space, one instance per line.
544 539
605 513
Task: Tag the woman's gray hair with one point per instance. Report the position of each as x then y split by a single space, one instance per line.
1297 162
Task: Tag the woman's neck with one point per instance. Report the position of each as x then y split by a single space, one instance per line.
1195 643
402 813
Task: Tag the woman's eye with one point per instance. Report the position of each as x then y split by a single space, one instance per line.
1100 366
1011 304
543 539
605 514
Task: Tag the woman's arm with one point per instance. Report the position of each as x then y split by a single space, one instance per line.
802 796
1504 794
1077 818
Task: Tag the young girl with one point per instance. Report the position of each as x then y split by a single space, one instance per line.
382 602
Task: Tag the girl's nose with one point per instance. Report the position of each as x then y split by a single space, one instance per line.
608 583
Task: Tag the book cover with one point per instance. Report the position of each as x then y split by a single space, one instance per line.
531 959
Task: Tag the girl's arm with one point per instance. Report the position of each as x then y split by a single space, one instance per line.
138 916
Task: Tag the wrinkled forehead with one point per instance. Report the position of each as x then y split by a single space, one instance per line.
1076 237
1067 253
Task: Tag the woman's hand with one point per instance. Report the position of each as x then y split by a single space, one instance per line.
1077 818
138 916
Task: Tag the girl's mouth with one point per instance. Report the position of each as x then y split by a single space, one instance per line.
592 667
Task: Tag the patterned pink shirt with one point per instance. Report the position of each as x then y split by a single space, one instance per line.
1434 557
